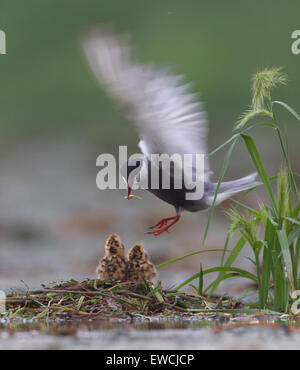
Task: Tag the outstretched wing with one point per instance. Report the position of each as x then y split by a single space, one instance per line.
165 113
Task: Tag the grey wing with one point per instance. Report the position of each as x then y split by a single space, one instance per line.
167 116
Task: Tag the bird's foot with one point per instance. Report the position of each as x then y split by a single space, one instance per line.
163 226
162 223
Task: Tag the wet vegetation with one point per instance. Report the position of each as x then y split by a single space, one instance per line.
106 299
272 231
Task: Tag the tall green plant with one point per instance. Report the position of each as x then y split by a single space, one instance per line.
280 245
276 255
277 268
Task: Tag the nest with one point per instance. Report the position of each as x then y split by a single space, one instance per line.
108 299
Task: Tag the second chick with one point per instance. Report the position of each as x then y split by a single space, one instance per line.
139 267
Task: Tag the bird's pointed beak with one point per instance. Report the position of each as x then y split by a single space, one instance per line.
129 195
128 191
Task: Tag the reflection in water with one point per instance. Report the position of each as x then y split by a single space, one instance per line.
215 322
212 332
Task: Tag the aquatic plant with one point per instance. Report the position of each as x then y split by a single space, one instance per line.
276 254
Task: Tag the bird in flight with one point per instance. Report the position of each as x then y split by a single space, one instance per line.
168 118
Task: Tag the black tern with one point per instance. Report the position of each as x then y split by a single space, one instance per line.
167 116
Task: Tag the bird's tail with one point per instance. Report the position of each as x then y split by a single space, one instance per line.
229 188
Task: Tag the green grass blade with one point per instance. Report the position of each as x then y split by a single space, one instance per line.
188 255
266 265
224 168
288 163
288 108
223 145
251 210
230 260
296 210
297 256
237 134
292 220
200 285
239 273
278 275
225 248
295 233
260 168
283 241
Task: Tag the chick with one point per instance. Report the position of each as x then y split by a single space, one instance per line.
114 264
139 267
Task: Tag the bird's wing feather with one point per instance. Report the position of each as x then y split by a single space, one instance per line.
165 113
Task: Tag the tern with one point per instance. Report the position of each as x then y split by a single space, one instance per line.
167 116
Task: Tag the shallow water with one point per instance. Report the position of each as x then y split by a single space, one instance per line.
212 332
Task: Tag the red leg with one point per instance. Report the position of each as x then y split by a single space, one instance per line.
164 221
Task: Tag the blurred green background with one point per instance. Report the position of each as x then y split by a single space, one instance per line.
55 120
46 85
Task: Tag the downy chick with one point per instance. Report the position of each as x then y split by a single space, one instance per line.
139 267
113 264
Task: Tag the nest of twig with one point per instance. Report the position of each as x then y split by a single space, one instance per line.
107 299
